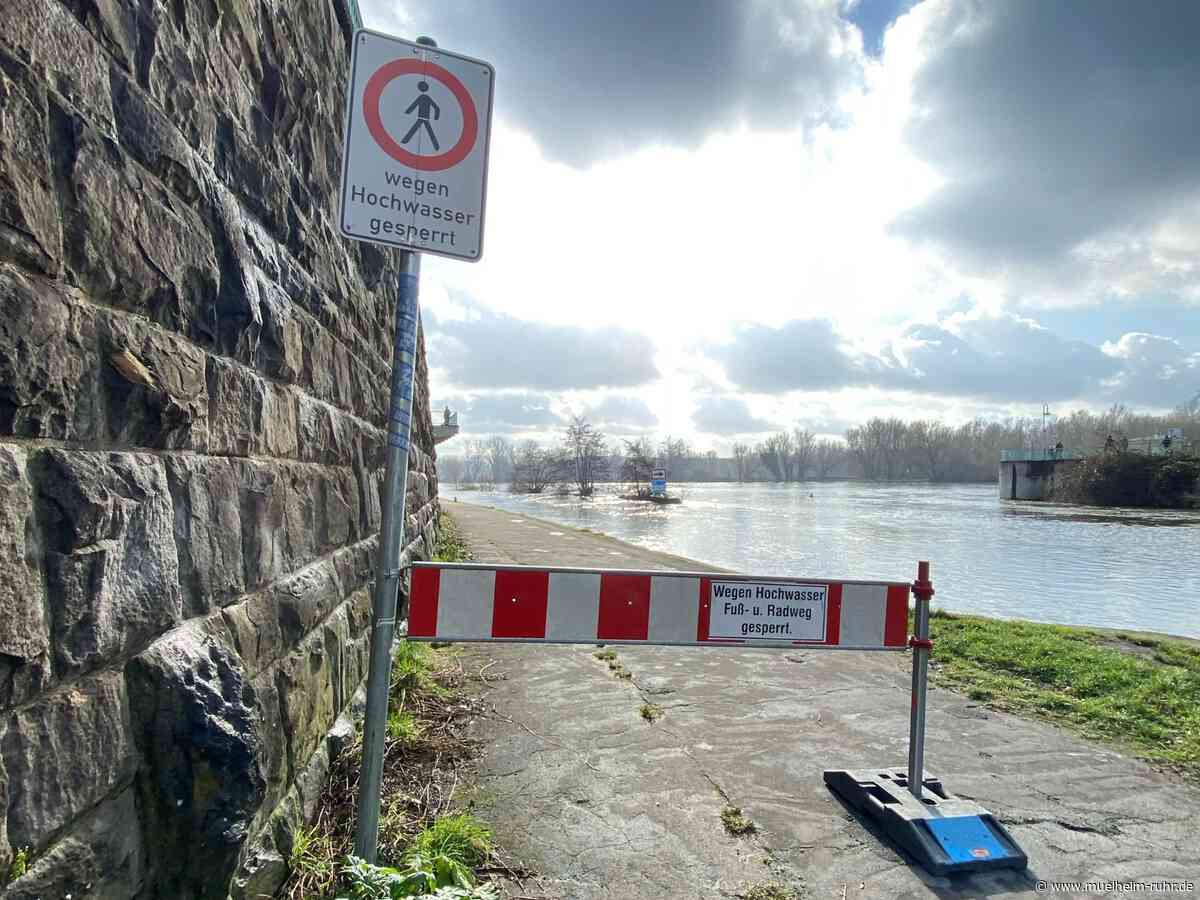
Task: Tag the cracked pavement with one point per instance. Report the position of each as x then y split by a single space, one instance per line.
604 805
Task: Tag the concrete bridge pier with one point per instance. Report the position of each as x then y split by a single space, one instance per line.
1029 474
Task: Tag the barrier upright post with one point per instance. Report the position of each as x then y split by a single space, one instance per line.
922 590
387 565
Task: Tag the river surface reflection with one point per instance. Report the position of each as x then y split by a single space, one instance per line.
1120 568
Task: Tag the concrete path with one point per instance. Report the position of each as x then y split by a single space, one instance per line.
603 804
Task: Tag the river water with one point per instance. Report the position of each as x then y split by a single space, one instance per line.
1120 568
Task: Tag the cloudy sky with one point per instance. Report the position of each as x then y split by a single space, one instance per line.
715 218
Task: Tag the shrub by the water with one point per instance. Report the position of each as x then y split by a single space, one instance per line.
1132 479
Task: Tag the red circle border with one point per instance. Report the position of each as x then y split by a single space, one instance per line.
384 76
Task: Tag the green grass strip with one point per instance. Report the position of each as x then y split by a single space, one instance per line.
1142 693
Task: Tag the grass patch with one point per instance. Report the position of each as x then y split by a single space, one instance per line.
769 890
402 727
460 837
736 822
606 655
651 712
19 865
314 855
451 546
424 754
1147 701
412 669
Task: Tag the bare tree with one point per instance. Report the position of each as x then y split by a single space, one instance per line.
672 451
827 456
803 442
536 468
741 453
776 455
450 469
586 447
474 462
500 455
931 443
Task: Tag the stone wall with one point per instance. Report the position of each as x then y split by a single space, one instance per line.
193 381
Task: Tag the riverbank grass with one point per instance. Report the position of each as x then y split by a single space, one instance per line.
1137 691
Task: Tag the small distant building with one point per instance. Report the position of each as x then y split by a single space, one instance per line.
1029 474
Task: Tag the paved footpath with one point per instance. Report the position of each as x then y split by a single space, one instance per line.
603 804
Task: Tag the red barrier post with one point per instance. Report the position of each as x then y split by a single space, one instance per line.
923 591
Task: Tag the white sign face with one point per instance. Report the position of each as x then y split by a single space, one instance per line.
414 159
767 611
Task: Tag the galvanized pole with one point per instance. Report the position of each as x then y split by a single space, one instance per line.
922 590
387 567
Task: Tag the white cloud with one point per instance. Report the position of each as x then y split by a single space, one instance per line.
875 262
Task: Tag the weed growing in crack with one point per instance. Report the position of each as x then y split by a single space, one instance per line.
20 864
651 712
768 890
736 822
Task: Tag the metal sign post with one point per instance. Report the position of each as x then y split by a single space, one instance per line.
414 176
387 563
923 592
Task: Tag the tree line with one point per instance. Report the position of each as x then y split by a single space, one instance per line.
880 449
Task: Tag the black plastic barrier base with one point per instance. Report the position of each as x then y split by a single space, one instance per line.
944 833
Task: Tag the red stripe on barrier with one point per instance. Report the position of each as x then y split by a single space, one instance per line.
423 602
702 616
895 623
833 616
624 607
519 604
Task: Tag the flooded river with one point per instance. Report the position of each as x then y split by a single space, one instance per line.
1121 568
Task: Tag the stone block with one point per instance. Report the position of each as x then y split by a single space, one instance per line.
304 599
99 857
306 699
25 637
151 138
198 730
49 371
64 754
205 493
112 572
263 498
153 386
29 227
325 434
249 416
128 243
60 53
336 495
114 26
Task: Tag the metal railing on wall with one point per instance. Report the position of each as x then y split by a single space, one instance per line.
1040 455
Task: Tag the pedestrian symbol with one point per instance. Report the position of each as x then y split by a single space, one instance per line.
423 104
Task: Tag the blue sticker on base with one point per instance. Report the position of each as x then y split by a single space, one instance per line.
967 839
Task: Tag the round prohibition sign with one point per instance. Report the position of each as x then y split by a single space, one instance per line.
384 76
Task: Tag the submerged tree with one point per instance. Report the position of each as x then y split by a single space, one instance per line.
638 464
536 468
586 448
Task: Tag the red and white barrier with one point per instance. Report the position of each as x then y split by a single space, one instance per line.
472 602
